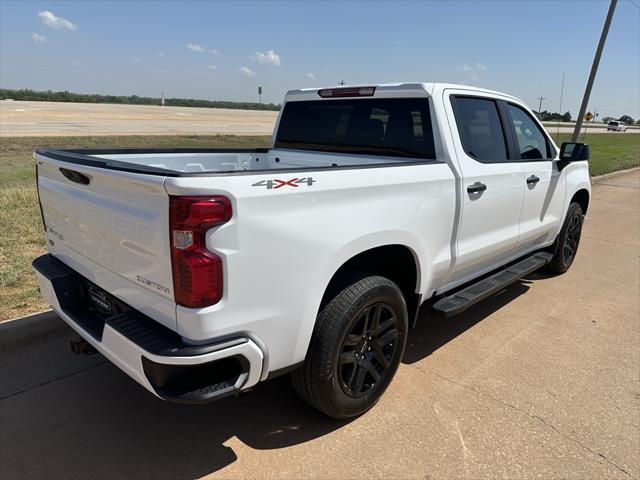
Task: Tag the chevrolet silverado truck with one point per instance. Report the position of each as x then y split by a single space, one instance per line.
201 272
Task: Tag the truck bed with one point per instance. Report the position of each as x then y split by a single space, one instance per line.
174 162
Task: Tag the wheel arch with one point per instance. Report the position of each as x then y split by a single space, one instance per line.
364 251
397 262
581 197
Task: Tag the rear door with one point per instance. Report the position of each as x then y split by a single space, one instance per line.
544 191
492 183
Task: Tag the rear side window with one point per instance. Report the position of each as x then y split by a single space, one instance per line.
391 127
480 129
531 142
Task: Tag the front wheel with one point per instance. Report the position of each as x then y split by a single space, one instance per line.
566 245
355 349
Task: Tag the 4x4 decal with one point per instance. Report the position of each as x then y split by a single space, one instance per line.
277 183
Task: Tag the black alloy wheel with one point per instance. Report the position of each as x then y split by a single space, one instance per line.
367 350
573 238
565 247
356 347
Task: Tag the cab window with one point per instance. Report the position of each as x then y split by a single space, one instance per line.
531 142
480 129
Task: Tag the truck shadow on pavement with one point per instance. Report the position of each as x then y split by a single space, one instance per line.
432 331
99 423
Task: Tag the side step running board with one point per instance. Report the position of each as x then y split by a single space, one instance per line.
463 299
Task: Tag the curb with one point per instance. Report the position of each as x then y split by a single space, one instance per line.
31 328
613 174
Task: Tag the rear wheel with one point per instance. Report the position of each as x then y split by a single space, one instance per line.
566 245
355 349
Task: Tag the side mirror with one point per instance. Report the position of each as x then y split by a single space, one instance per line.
574 152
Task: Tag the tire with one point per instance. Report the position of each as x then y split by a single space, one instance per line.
566 245
345 372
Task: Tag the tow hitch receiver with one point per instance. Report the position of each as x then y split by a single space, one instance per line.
80 345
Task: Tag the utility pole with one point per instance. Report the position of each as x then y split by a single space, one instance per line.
594 69
260 94
560 109
162 99
540 106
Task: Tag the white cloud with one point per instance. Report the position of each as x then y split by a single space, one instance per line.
311 76
53 21
160 54
248 72
136 59
38 39
211 67
398 43
473 71
268 57
194 47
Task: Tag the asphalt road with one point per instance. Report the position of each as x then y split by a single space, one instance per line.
540 381
21 119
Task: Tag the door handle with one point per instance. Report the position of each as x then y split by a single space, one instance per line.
476 187
532 180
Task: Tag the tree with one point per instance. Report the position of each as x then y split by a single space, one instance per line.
607 119
627 120
66 96
566 117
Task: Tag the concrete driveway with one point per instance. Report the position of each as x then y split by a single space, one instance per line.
541 381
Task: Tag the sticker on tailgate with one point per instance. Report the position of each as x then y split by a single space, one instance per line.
277 183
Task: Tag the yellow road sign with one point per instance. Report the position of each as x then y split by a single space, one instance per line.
588 116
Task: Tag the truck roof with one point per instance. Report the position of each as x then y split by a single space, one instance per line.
386 90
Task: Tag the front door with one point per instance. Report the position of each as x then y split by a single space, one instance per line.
544 191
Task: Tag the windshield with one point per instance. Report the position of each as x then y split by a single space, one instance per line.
391 127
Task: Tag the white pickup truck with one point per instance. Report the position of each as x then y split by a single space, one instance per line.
201 272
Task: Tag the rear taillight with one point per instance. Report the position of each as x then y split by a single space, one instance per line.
197 272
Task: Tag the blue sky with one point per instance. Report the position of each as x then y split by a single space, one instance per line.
223 51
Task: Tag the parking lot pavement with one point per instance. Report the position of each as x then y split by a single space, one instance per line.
540 381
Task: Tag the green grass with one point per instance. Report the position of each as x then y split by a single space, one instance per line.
552 124
609 152
22 238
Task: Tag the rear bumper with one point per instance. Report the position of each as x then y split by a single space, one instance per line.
156 357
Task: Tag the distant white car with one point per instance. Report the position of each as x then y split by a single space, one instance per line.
616 126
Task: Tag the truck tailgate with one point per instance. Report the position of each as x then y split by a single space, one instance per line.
112 227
